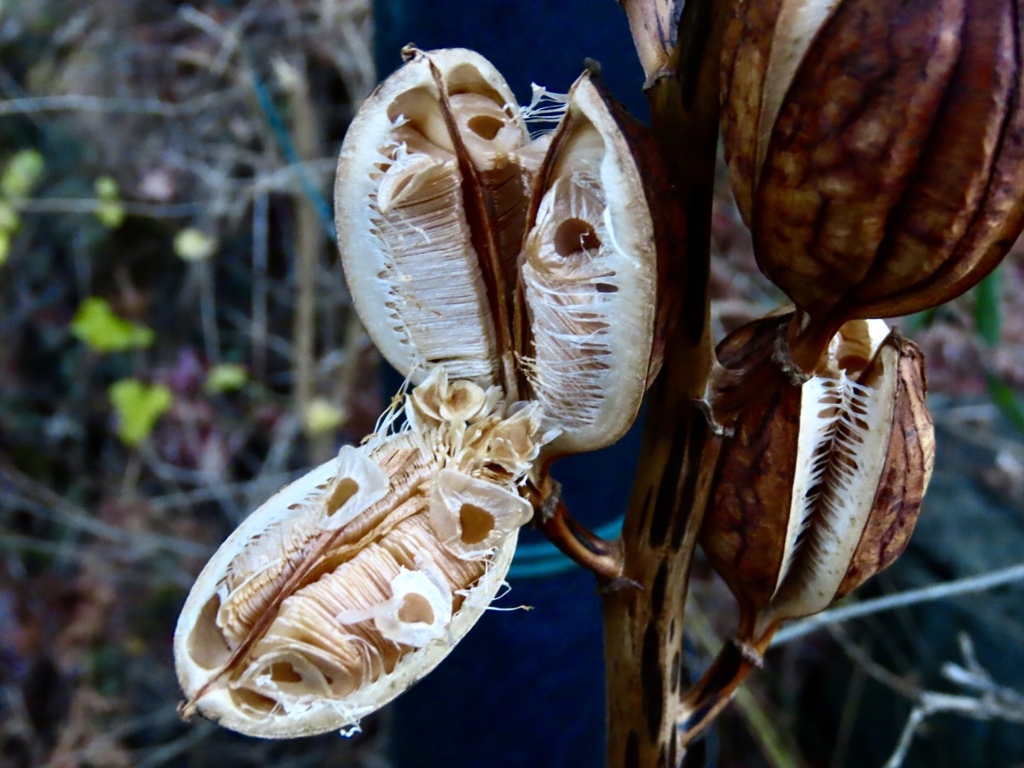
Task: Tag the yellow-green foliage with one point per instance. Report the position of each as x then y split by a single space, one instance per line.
102 330
110 210
19 177
138 406
226 377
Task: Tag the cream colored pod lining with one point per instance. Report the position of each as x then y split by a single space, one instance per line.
526 263
406 223
357 579
589 278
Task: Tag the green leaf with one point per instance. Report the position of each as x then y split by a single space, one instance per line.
9 220
110 210
138 408
192 244
1006 400
98 327
111 215
106 188
226 377
322 417
987 311
22 173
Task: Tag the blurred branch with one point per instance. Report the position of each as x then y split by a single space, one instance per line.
983 697
260 290
89 205
126 106
236 195
38 499
291 152
927 594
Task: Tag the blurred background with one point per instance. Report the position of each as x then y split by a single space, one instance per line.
177 342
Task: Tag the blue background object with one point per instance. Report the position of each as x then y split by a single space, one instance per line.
524 688
544 42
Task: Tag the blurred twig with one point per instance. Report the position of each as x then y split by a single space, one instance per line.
37 498
983 698
927 594
81 103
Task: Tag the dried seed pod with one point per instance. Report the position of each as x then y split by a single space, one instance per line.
354 581
430 200
358 578
820 485
439 189
875 149
654 26
818 488
590 272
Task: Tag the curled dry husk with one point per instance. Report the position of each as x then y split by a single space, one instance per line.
817 489
355 580
875 147
528 264
820 484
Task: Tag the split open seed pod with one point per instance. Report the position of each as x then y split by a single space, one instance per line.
527 264
589 271
432 189
359 578
875 147
820 485
818 488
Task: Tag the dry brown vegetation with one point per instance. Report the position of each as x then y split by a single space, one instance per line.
224 119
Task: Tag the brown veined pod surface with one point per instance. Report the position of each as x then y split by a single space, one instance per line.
874 147
817 489
590 272
820 484
357 579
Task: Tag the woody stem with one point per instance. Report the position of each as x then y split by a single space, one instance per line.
644 627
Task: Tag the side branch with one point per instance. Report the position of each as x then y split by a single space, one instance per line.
600 556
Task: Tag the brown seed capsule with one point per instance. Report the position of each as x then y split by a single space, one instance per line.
875 147
817 489
357 579
820 485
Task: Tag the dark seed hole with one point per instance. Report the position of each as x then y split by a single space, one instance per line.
283 672
416 609
476 523
206 643
575 236
343 491
485 126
